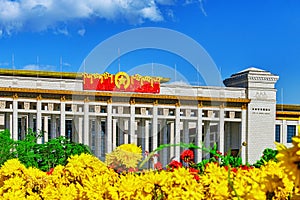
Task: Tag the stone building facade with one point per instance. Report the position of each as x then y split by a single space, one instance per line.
243 112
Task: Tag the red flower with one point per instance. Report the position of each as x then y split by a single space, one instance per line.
245 167
50 171
174 164
196 177
158 166
187 155
232 169
131 169
194 172
218 154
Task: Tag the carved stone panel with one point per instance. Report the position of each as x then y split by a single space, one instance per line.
26 105
166 111
187 112
2 104
97 109
74 108
231 114
210 114
120 109
50 106
143 111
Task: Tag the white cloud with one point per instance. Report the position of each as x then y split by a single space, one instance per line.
4 64
39 15
40 67
166 2
66 64
170 14
63 31
81 32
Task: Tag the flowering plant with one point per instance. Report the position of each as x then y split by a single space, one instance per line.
86 177
124 158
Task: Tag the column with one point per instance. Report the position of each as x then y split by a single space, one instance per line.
221 129
244 136
164 137
177 132
147 135
143 134
74 137
207 138
30 121
8 119
100 138
14 132
23 127
109 127
228 135
80 127
53 126
198 142
172 139
186 131
46 129
86 123
298 127
154 130
125 134
284 132
114 133
154 127
62 117
133 136
97 137
39 119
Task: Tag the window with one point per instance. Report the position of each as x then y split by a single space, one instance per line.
277 133
291 132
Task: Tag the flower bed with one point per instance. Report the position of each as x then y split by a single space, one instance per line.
86 177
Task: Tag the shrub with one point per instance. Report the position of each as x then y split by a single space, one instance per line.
42 156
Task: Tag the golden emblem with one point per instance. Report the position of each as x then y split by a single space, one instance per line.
122 78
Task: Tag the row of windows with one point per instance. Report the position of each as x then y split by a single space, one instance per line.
291 132
261 109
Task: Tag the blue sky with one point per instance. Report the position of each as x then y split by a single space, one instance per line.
59 35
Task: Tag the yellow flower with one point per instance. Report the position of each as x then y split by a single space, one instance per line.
215 182
127 155
289 159
12 167
276 181
130 148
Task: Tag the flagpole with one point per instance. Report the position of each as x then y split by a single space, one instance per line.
13 63
60 63
119 59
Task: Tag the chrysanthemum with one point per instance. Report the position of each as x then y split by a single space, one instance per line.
126 155
289 159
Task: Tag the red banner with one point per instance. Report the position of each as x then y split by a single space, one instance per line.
121 82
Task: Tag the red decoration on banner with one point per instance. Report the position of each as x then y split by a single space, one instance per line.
121 82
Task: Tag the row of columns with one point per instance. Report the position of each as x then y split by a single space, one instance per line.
84 137
175 132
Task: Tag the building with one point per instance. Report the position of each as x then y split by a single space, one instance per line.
144 110
287 123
